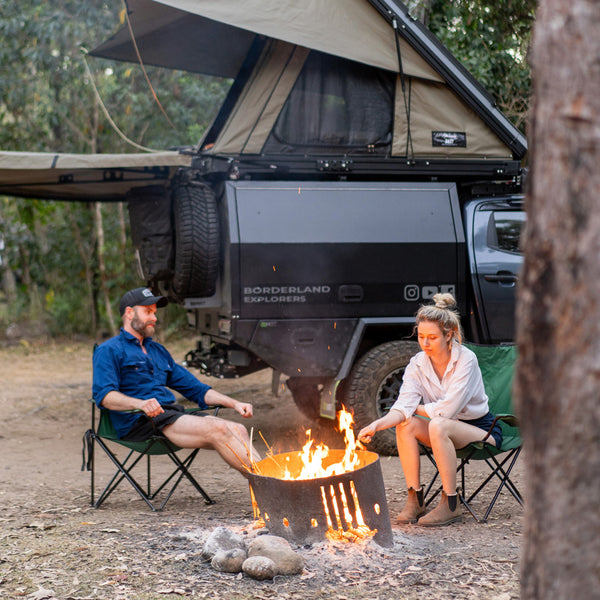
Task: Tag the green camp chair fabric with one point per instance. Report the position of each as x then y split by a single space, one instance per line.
497 364
103 435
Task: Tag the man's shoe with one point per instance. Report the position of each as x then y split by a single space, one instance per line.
446 512
414 508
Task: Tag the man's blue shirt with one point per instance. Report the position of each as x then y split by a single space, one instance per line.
121 365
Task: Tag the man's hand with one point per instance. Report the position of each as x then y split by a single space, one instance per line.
151 407
244 409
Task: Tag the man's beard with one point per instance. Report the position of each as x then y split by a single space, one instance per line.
144 329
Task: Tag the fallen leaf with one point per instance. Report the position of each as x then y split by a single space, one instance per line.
41 525
41 594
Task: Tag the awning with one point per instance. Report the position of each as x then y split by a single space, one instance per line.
84 177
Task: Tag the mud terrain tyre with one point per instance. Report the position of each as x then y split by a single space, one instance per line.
197 256
373 386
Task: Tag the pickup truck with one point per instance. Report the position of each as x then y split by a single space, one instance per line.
320 280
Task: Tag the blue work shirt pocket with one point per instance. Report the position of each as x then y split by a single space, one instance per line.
136 372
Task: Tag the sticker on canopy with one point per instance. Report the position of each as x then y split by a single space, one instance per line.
449 139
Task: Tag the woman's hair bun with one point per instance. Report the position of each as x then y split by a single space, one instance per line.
446 301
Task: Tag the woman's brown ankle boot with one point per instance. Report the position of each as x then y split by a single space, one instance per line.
446 512
414 508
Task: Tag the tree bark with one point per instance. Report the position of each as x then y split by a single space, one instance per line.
99 226
86 251
558 375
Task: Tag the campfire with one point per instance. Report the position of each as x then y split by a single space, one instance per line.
320 493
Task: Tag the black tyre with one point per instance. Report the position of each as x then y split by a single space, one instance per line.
307 398
372 388
197 256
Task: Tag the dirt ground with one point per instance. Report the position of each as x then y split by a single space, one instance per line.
54 545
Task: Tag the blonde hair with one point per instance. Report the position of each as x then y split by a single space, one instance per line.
444 313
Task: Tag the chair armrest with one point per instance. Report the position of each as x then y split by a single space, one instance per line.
509 419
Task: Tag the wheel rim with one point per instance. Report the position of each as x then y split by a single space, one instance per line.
387 391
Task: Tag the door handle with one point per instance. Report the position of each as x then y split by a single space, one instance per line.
501 277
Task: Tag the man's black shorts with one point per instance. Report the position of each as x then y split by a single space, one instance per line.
146 427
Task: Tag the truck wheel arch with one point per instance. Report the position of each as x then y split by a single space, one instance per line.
372 387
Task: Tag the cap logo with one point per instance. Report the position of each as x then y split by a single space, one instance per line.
147 292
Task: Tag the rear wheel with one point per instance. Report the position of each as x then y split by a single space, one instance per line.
373 386
307 398
197 253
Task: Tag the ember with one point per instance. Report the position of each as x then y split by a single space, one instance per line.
319 493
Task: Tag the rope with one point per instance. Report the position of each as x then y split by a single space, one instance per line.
139 57
107 114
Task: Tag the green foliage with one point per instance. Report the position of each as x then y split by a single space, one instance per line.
492 41
48 103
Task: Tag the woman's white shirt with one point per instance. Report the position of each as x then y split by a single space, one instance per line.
459 395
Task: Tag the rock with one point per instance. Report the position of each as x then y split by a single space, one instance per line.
221 539
229 561
279 550
259 567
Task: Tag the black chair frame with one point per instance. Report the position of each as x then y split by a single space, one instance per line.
104 434
487 452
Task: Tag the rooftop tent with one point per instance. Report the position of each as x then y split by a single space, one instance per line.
327 78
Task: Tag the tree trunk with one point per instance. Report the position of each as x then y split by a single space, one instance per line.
558 375
122 236
99 225
86 250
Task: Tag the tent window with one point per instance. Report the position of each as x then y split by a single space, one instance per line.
336 104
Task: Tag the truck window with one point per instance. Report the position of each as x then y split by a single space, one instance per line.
504 230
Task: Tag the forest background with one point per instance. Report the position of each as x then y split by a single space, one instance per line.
62 263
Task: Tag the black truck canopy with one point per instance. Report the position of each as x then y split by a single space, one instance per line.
358 80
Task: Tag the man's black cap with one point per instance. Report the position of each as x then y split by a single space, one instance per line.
141 296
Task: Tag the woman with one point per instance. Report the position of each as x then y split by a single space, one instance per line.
443 385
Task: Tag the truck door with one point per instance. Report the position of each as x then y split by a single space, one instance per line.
496 260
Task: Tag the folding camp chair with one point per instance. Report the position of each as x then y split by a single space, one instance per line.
105 436
497 367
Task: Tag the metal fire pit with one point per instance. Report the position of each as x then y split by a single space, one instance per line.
295 509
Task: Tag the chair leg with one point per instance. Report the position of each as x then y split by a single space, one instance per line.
509 485
124 474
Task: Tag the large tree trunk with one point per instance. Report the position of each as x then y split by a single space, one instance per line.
558 378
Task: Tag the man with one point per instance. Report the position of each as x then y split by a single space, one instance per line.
131 371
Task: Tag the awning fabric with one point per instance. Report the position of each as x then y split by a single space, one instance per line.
84 177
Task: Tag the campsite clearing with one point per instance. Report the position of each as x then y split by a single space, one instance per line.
53 545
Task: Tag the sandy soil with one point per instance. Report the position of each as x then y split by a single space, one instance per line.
54 545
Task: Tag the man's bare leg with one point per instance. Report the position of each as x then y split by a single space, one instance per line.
228 438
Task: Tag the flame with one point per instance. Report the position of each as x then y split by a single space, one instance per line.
312 456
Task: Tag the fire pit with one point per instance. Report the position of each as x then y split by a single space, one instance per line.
348 506
319 493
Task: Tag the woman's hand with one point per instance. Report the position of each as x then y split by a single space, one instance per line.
366 433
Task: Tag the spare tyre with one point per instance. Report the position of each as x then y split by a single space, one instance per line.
196 225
